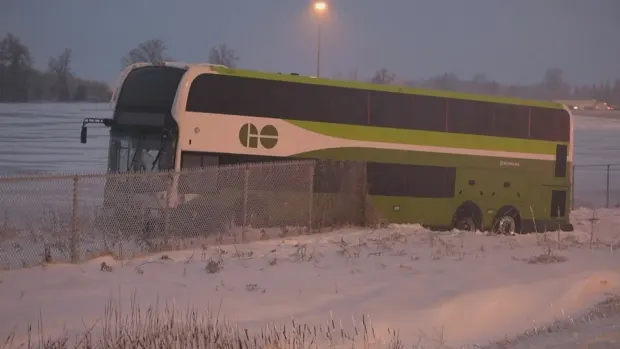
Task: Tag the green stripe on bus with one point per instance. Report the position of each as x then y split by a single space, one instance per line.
428 138
422 158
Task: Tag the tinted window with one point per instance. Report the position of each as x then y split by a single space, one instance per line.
471 117
430 113
391 110
511 121
550 124
150 89
198 160
399 110
561 153
411 180
338 105
222 94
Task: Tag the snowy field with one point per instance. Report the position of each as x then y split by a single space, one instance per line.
438 290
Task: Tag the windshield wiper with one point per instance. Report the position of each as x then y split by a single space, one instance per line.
135 155
161 148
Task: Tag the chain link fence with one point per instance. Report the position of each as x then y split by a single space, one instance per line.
72 218
596 186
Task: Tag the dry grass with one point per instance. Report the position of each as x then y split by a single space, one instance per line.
190 329
609 308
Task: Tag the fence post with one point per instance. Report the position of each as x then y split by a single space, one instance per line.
572 189
73 248
363 187
311 193
607 189
245 194
168 203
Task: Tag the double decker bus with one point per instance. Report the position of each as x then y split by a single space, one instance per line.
438 158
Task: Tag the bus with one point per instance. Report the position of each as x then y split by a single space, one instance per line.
439 158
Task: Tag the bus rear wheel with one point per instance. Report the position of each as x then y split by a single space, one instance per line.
467 217
507 222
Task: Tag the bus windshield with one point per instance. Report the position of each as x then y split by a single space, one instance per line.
135 151
150 89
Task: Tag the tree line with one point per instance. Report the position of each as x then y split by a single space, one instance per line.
552 86
19 81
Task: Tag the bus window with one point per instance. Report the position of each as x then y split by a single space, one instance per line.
224 94
394 110
511 121
344 105
550 124
470 117
198 160
561 154
430 113
411 180
212 93
414 112
147 95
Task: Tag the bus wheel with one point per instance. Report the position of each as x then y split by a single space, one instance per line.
465 224
507 221
467 217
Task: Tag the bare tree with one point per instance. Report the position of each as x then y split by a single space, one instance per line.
60 66
554 84
223 55
150 51
383 76
15 68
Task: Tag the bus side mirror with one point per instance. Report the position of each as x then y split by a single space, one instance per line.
83 134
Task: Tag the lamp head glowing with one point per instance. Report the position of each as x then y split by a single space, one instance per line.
320 6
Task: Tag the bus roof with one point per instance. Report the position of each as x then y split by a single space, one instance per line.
378 87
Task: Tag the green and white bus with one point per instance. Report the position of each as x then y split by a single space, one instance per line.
443 159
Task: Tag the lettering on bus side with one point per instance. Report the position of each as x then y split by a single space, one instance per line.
503 163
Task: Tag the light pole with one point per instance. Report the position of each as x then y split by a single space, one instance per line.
319 7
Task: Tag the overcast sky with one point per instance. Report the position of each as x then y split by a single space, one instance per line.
513 41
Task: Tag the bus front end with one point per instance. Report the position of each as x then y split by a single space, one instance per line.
143 142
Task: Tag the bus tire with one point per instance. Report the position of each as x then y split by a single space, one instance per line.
467 217
507 221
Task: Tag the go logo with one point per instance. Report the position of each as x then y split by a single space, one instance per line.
250 137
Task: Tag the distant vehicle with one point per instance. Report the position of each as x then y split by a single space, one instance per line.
442 159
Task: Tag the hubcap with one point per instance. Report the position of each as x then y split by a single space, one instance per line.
466 224
506 225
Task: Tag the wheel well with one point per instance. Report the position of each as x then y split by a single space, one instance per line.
468 209
511 210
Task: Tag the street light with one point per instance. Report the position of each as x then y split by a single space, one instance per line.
319 7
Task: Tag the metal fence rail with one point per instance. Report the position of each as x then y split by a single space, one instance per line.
596 186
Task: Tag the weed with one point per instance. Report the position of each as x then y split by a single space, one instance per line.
192 329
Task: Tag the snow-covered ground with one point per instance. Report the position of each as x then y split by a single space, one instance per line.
456 288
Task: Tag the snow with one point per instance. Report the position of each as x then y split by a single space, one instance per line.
467 287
